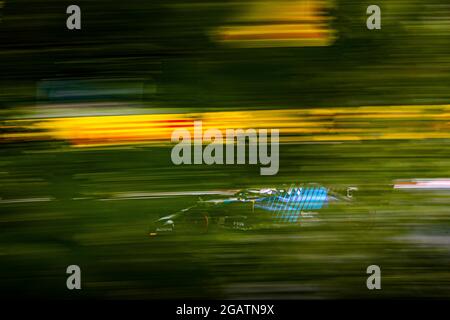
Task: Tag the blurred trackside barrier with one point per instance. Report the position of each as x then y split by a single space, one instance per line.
296 125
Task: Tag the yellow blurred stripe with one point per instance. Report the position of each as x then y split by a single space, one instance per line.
312 124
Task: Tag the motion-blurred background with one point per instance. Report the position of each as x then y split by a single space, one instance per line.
85 123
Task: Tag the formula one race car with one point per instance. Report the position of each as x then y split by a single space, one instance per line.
249 208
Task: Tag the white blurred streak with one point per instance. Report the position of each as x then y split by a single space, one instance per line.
434 184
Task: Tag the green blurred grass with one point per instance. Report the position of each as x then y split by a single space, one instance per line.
321 259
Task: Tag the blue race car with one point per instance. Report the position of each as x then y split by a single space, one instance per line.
251 208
